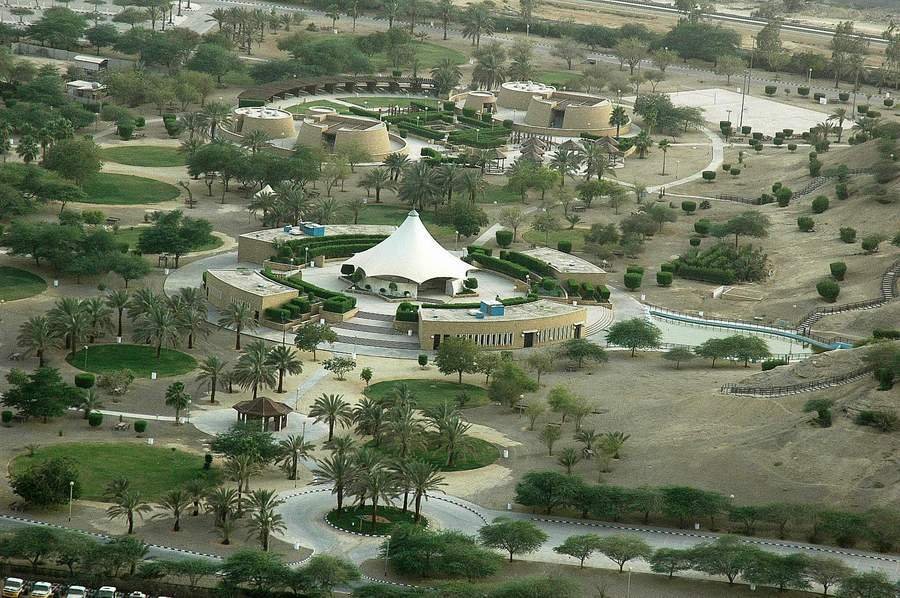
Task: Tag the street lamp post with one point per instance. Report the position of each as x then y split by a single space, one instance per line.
85 348
809 77
744 90
628 586
71 491
387 552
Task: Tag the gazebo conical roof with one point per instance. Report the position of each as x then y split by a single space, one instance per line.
262 407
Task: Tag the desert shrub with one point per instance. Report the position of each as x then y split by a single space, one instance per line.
815 167
664 279
689 206
792 147
694 241
803 91
771 89
504 238
884 421
95 419
771 364
471 283
784 195
888 333
709 175
140 426
632 280
734 171
819 204
848 234
885 171
843 96
564 246
722 264
726 166
822 408
805 224
84 380
828 290
705 204
702 226
842 191
838 270
6 417
870 243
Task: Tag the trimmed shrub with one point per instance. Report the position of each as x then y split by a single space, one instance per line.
664 279
140 426
84 380
819 204
842 191
533 264
602 293
838 270
423 359
873 114
549 284
792 147
702 226
848 234
139 121
862 108
504 238
757 136
499 265
771 364
828 290
735 170
6 417
667 267
688 206
709 175
784 195
339 305
277 314
694 241
788 132
870 243
818 96
803 91
726 166
745 130
705 204
888 102
347 269
778 141
843 96
407 312
635 270
632 280
805 224
95 419
815 167
564 246
771 90
471 283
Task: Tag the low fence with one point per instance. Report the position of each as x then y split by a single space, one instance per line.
24 49
791 389
668 346
738 199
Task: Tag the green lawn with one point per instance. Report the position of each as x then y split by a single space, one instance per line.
140 359
150 470
394 214
386 101
480 453
130 235
576 236
125 189
556 78
305 106
358 519
431 393
498 194
18 284
144 155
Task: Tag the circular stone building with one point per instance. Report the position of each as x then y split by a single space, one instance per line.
516 95
276 123
324 127
481 101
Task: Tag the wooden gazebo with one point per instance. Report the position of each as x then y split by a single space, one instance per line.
265 409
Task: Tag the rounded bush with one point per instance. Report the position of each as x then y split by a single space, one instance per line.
888 102
838 270
819 204
423 359
471 283
140 426
702 226
709 175
842 191
746 129
694 241
635 270
828 290
734 171
805 224
726 166
771 364
84 380
778 141
504 238
667 267
862 108
95 419
632 280
771 89
870 244
848 234
792 147
139 121
705 204
689 206
843 96
6 417
788 132
564 246
664 279
803 91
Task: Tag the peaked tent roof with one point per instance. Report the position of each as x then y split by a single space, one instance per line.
411 253
262 407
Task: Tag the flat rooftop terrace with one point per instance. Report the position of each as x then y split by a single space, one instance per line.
542 308
250 281
563 262
278 234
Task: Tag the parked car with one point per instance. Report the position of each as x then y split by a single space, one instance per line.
76 592
106 592
41 589
13 587
138 595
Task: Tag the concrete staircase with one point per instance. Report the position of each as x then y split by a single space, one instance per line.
374 330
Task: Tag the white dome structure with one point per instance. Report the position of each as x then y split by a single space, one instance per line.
410 255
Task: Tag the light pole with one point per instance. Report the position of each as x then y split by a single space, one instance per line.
387 552
85 348
809 77
729 117
71 491
188 417
744 90
628 586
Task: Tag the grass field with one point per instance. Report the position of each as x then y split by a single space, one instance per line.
556 78
576 236
386 101
140 359
498 194
359 519
144 155
18 284
431 393
130 235
125 189
393 214
150 470
479 453
305 106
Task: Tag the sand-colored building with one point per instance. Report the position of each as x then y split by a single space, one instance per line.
566 266
480 101
258 246
275 123
245 286
495 326
516 95
548 111
323 127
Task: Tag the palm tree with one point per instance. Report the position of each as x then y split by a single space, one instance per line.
477 21
566 162
378 179
643 143
141 302
91 402
472 184
98 317
587 438
255 140
618 117
664 146
284 359
211 374
265 521
369 415
241 468
333 12
221 502
118 301
333 409
396 162
195 490
418 187
336 469
594 157
568 459
446 76
341 445
840 115
157 326
377 485
404 430
452 434
449 178
253 368
264 202
127 505
175 502
36 335
291 203
293 448
196 124
177 399
490 66
68 318
216 114
239 316
190 320
423 478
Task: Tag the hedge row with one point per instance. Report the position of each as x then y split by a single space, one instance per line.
510 301
533 264
363 112
407 312
333 301
705 274
344 250
421 131
312 242
500 265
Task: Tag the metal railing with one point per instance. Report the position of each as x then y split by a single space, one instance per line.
780 391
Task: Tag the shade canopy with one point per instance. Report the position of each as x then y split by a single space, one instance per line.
411 253
262 407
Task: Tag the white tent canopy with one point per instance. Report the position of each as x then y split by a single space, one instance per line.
411 253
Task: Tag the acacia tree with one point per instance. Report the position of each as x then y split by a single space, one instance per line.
635 333
457 355
515 536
